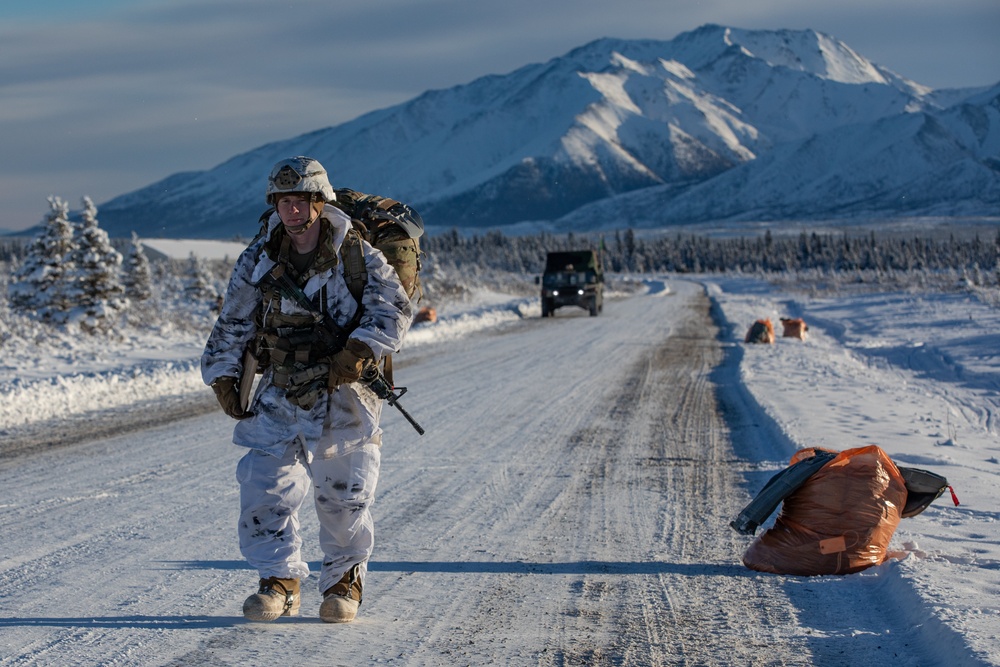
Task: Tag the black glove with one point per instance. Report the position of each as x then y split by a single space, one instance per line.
229 397
346 365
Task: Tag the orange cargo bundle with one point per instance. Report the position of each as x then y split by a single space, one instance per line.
426 314
839 521
761 331
794 327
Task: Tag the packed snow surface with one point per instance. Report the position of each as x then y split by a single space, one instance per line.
123 550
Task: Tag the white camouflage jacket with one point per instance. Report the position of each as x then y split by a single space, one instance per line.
349 416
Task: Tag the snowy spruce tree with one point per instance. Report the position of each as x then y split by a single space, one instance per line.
92 278
38 285
199 281
138 277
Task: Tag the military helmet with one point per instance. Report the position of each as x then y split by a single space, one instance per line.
298 174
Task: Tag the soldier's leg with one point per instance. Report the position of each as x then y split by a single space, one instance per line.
272 490
344 493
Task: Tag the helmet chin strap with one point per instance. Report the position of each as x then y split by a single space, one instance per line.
301 229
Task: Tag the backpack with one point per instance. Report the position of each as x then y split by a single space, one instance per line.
391 227
840 520
761 331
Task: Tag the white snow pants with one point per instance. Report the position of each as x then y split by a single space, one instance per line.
273 489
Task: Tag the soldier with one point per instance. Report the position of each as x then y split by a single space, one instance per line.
310 423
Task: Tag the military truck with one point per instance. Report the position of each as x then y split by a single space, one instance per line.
573 278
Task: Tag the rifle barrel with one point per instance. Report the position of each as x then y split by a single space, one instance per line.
406 414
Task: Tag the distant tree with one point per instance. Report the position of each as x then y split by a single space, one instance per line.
138 277
199 281
38 283
92 280
12 250
629 250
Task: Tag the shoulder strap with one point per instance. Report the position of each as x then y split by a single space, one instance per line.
355 271
386 204
356 276
262 223
779 487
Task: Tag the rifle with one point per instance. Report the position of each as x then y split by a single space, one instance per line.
377 382
370 374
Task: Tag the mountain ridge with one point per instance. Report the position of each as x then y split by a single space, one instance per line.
681 127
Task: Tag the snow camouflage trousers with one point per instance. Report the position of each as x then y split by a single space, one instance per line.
273 490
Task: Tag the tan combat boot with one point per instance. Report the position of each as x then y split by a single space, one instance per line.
341 601
276 597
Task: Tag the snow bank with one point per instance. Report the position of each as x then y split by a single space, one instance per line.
25 402
58 376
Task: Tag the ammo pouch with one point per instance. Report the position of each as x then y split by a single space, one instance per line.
297 357
304 387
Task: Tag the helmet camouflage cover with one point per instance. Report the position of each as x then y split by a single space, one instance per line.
298 174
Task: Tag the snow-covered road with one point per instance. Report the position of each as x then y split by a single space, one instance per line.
569 504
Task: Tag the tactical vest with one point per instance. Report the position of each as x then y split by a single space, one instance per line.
292 344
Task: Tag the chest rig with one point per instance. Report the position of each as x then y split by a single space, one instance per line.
296 344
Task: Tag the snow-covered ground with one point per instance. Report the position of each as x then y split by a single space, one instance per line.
918 374
915 372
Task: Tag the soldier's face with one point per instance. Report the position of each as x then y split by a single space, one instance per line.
295 211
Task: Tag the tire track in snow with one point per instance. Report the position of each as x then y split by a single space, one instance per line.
663 498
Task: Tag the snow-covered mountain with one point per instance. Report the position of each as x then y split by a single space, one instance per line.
718 123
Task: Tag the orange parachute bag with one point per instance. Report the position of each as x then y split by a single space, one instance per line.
838 522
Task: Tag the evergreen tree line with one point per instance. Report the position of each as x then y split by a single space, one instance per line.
624 252
70 272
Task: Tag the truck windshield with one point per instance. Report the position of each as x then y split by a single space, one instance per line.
569 278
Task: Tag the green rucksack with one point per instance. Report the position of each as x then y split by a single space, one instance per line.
391 227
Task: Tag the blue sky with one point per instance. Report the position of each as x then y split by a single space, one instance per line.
103 97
